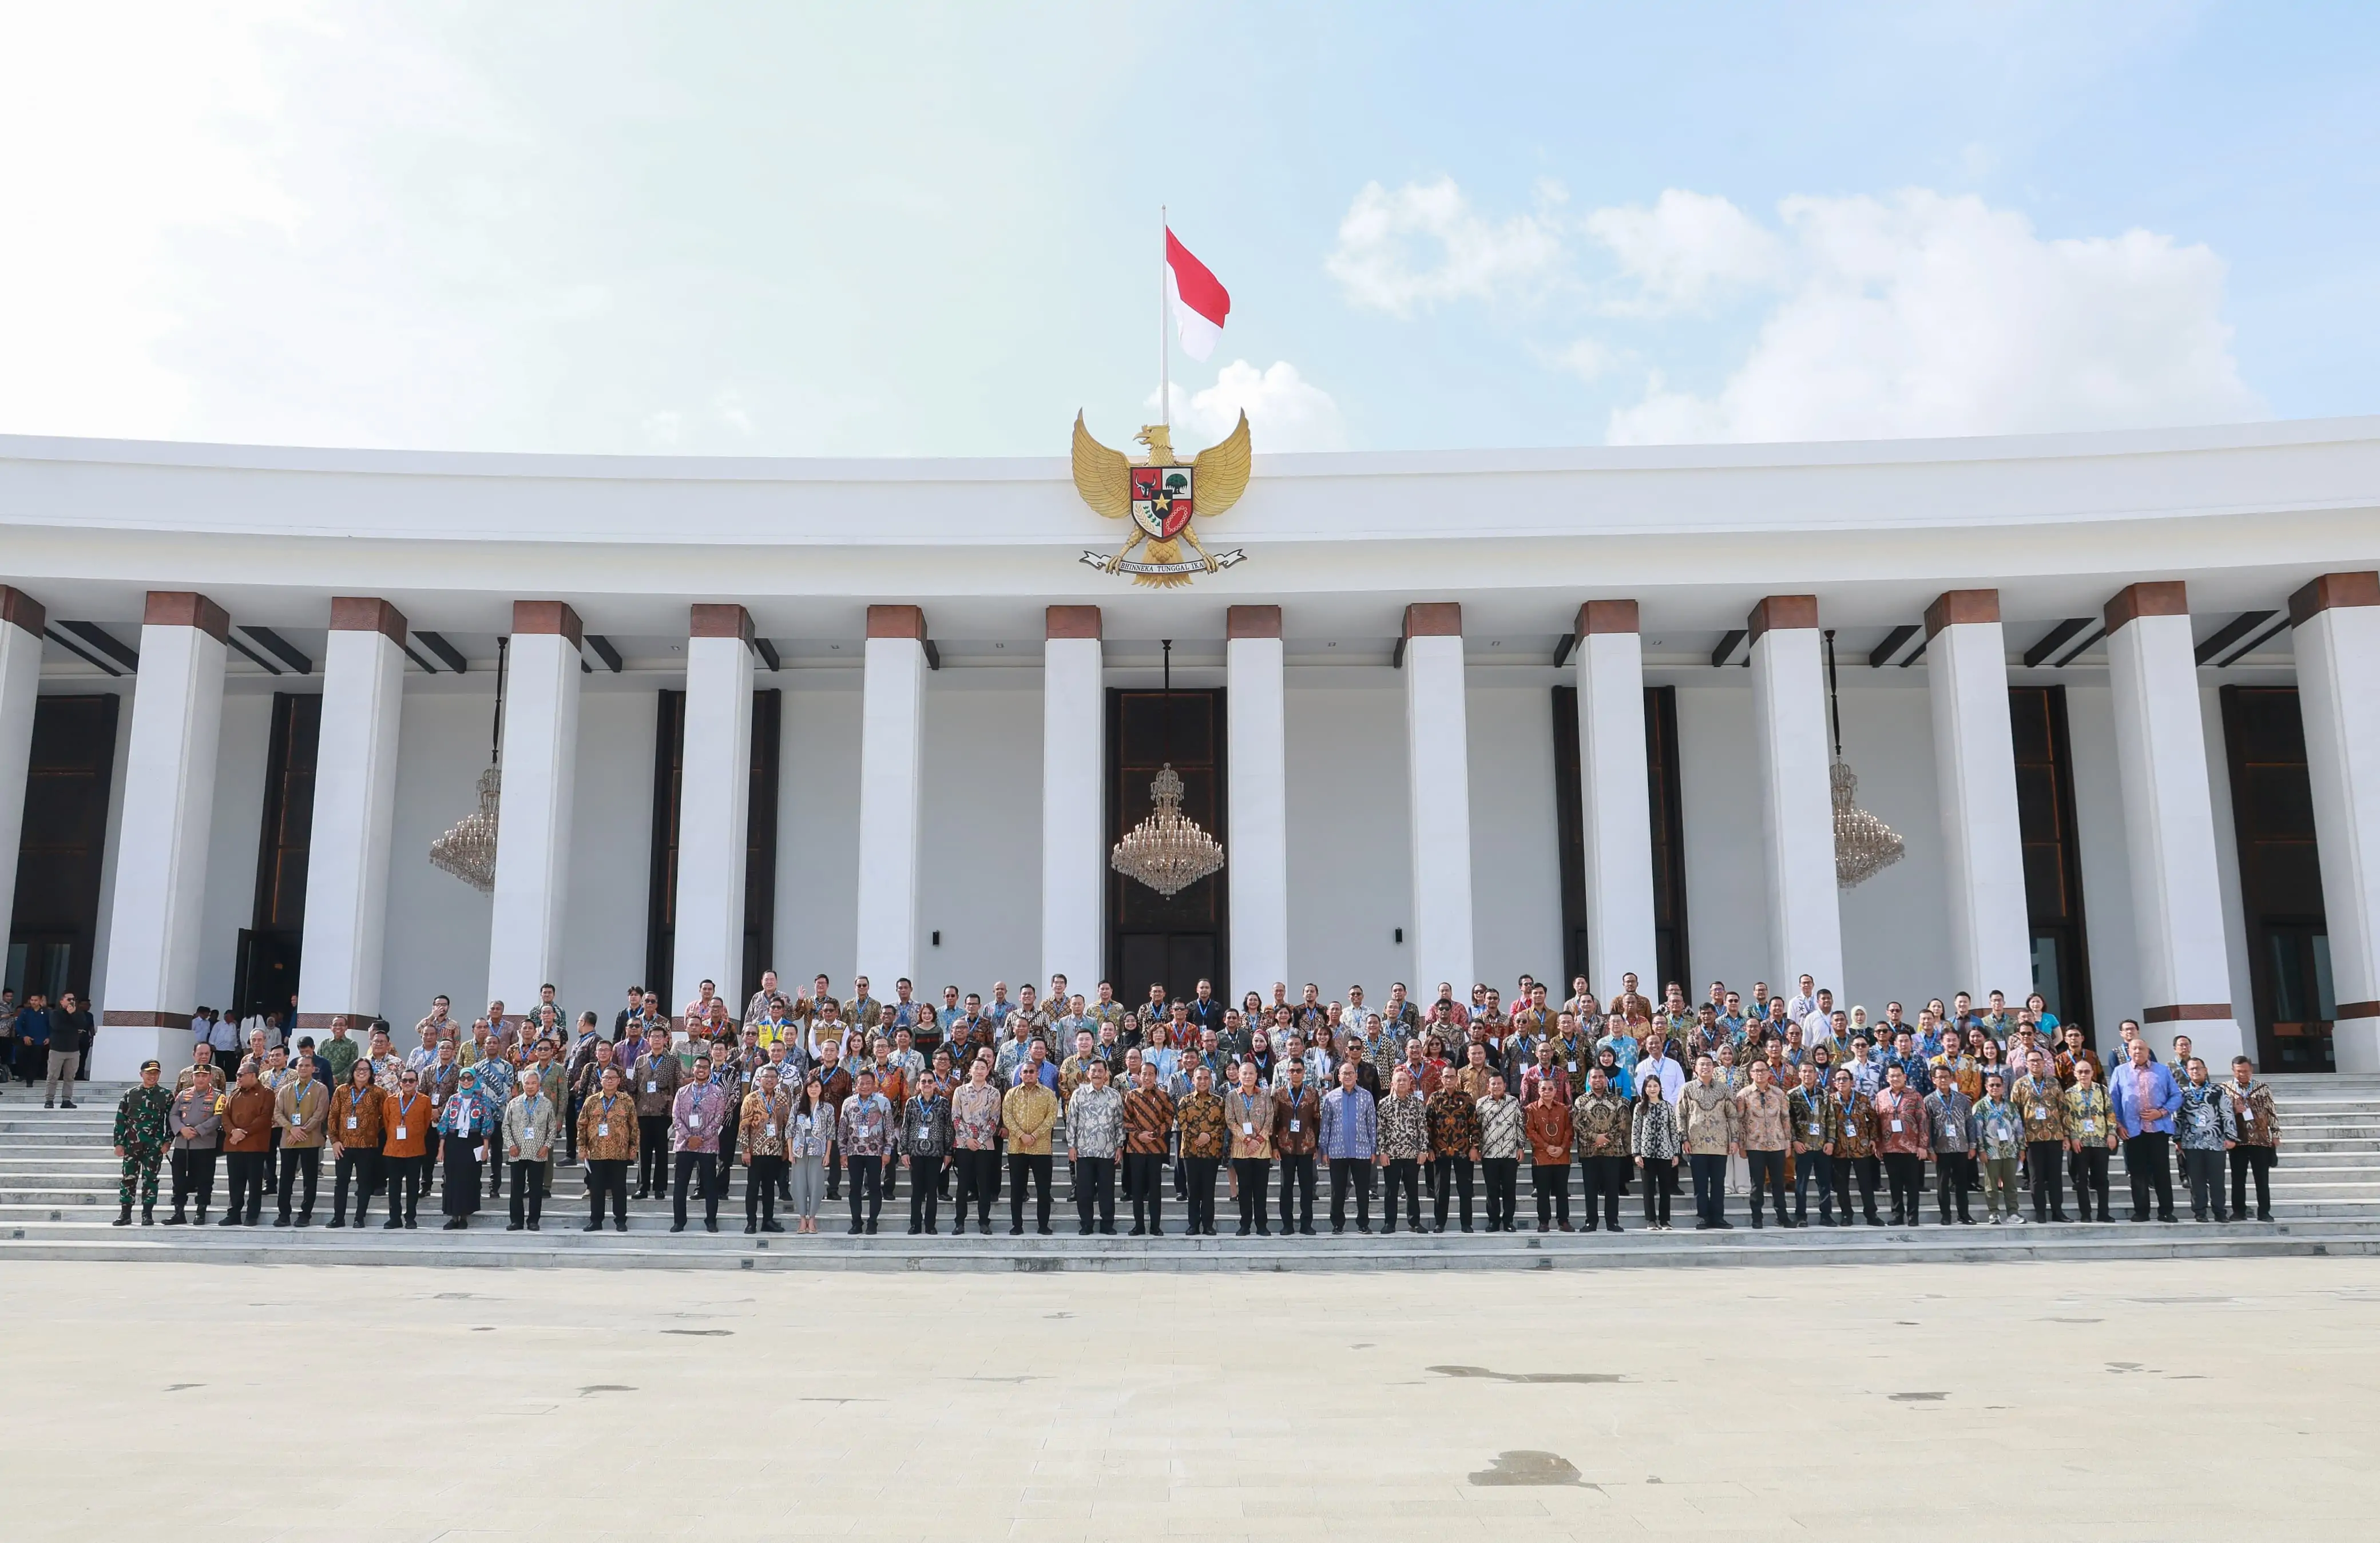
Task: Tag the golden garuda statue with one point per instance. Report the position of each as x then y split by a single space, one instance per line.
1161 496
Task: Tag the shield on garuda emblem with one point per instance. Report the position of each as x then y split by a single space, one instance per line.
1162 500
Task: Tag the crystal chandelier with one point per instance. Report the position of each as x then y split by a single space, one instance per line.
1864 845
1167 851
468 850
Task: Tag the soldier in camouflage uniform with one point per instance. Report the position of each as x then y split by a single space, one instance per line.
140 1143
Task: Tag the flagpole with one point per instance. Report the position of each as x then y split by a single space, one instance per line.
1164 344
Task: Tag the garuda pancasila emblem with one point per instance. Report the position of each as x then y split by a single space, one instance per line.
1161 497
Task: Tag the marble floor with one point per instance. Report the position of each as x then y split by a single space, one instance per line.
2233 1399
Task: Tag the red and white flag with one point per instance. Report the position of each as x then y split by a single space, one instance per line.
1199 302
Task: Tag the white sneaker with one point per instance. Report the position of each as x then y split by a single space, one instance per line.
2020 1221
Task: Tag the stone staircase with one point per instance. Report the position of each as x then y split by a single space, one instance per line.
58 1177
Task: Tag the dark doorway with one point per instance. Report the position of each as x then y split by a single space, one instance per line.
264 971
2280 878
1152 939
56 921
2052 858
759 851
1661 778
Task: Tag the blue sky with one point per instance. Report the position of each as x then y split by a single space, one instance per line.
932 230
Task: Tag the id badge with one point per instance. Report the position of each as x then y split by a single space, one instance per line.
1896 1127
770 1131
400 1132
1292 1126
652 1088
1247 1127
602 1131
351 1122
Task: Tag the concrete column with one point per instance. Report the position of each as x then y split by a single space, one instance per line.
1437 756
21 620
540 759
2169 822
1974 771
161 876
1797 814
891 779
1617 818
355 816
714 807
1074 834
2337 643
1256 802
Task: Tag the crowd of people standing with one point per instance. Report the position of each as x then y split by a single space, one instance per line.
1436 1106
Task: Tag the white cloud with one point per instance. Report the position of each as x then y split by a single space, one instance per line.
663 429
1584 358
732 411
1923 315
1423 243
1685 250
112 135
1285 410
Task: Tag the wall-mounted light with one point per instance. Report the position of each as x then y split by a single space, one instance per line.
1400 934
938 939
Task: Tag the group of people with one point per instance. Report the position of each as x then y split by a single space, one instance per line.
46 1042
1770 1097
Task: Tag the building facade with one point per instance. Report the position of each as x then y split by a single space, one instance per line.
1456 716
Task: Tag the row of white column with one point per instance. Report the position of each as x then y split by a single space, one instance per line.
151 981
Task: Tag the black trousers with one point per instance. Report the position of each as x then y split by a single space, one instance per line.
362 1164
1552 1181
570 1129
1033 1168
1144 1186
1768 1173
760 1180
194 1174
1815 1167
1660 1180
2245 1159
1199 1191
2043 1161
1710 1186
1504 1184
604 1175
2204 1171
1447 1174
652 1153
1402 1174
1350 1174
294 1161
1095 1180
1905 1172
2089 1170
1297 1181
702 1169
528 1192
1601 1179
1254 1176
979 1179
1951 1172
247 1169
2151 1167
1864 1171
867 1190
925 1192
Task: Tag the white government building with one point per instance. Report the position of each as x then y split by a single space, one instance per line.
1456 716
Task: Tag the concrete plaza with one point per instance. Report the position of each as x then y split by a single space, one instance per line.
2238 1399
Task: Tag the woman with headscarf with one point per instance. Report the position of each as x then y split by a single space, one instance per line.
464 1128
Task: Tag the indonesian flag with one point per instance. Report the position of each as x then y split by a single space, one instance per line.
1199 302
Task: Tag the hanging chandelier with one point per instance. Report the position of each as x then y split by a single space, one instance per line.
1864 845
468 850
1167 851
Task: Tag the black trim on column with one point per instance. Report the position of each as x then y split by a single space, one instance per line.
1663 779
660 903
760 841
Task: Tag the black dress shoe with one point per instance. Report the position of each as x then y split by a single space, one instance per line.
1156 1231
1084 1229
871 1228
680 1226
281 1221
772 1226
512 1226
1137 1231
1304 1229
455 1223
620 1225
750 1228
1724 1225
338 1222
710 1224
1245 1230
1016 1230
915 1228
1043 1230
594 1226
